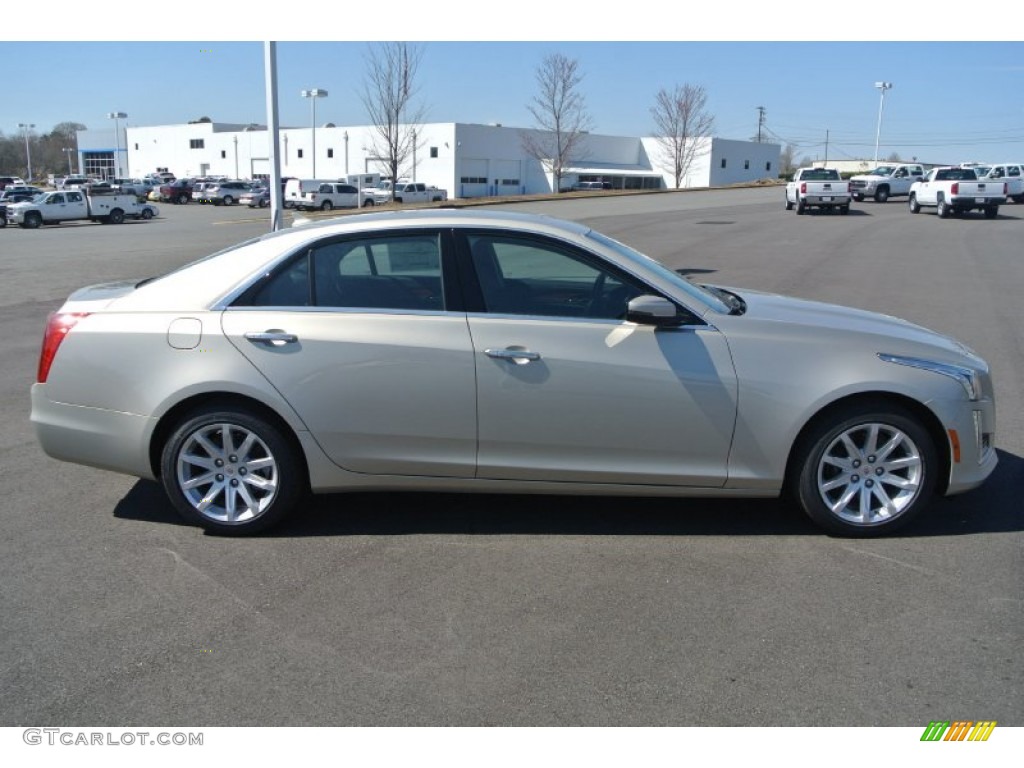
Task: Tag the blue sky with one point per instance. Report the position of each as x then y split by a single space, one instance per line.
951 101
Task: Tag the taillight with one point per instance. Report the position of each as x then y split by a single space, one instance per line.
1006 188
955 189
57 327
803 188
847 187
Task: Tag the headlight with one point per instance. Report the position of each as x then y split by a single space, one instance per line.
969 378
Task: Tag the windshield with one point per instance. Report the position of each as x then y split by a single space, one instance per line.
39 197
882 170
698 292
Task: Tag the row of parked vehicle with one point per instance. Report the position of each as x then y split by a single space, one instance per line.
948 189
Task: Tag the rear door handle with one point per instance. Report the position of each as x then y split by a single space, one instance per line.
517 355
273 338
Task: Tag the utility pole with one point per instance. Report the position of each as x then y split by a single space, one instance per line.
760 122
826 149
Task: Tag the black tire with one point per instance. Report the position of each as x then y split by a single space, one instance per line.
943 209
789 204
147 213
278 486
915 207
368 204
183 199
264 203
908 487
229 200
116 216
844 210
32 220
800 207
3 222
1018 198
881 194
326 205
991 211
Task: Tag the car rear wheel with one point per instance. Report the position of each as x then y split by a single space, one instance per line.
915 207
943 209
789 204
231 471
800 207
991 211
326 205
183 199
866 470
147 213
116 216
844 210
229 200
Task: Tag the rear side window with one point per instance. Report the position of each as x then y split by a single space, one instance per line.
388 272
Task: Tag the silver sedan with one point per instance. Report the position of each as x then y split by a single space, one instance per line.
454 351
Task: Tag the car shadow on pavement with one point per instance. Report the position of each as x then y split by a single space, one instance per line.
994 508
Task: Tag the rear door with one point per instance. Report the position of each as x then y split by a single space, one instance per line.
361 335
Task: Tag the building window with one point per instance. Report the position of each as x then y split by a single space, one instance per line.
223 154
300 153
768 165
433 151
509 182
746 165
474 179
330 152
723 162
196 143
136 146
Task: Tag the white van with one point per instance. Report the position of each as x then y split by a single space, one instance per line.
295 190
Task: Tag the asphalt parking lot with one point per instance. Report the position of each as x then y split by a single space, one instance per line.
415 609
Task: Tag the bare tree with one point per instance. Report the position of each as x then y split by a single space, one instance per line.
787 160
682 121
389 92
561 114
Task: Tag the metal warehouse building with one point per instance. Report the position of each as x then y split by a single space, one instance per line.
468 160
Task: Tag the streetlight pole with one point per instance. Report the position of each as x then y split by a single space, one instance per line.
883 87
313 94
236 156
116 116
26 127
67 151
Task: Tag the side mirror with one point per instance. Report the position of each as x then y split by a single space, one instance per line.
652 310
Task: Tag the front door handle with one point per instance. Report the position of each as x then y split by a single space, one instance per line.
517 355
273 338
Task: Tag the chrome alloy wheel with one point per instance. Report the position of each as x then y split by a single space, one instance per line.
227 473
869 474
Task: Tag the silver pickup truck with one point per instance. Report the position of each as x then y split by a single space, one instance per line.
957 190
818 188
885 181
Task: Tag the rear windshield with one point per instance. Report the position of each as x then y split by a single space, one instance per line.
820 174
955 174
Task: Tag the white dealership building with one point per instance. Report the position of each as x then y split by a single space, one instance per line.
468 160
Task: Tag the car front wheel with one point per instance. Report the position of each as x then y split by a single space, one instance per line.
231 471
866 471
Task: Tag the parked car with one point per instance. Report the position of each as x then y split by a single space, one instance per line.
17 194
178 192
885 181
821 188
6 181
328 196
492 351
255 197
225 192
1010 173
73 182
590 186
954 191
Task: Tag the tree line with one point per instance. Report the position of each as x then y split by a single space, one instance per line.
49 152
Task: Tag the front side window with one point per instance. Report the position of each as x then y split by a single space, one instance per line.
533 276
387 272
55 200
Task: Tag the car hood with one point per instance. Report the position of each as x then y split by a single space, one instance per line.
895 334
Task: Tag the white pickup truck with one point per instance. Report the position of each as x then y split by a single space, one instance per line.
1012 174
76 205
957 190
405 192
885 181
818 188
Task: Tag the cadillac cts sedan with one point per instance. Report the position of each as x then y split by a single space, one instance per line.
458 351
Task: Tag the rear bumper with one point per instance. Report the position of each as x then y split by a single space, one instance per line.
962 202
95 437
825 200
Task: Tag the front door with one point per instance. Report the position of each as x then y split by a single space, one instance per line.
567 390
